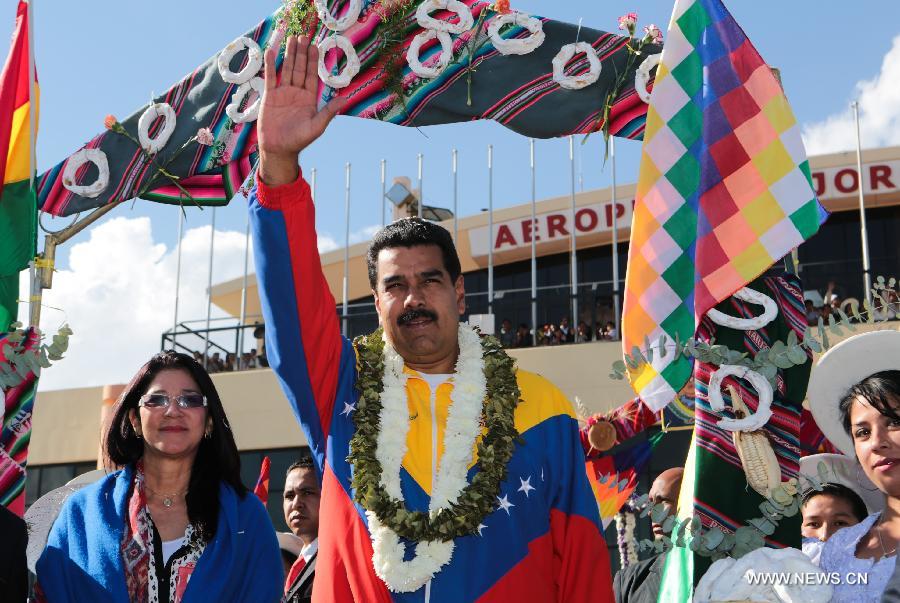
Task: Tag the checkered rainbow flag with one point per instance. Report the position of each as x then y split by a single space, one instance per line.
724 188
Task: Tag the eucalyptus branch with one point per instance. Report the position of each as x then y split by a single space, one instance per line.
19 360
780 355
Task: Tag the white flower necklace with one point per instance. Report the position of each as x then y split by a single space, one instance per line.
462 429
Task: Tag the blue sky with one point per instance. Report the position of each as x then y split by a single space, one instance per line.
96 58
115 284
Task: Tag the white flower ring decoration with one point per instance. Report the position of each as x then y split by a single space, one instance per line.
763 411
78 159
254 60
333 23
155 145
351 68
642 76
576 82
516 45
462 11
233 110
770 311
412 55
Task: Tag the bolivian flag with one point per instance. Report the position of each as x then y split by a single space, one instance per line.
18 130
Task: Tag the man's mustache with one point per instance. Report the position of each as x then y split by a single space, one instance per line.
411 315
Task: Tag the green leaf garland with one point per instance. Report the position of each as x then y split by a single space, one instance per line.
495 448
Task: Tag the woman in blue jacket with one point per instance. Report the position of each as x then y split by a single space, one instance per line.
175 524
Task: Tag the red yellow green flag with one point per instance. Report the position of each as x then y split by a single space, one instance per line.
18 129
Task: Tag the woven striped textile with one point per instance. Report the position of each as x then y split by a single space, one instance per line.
18 404
724 188
517 91
726 501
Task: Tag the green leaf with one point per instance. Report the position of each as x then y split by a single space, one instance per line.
797 355
649 349
833 326
791 338
668 524
661 346
659 512
763 525
713 538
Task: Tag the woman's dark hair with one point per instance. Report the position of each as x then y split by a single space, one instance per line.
217 457
880 390
413 232
857 506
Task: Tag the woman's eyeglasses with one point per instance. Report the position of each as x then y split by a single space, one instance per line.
163 400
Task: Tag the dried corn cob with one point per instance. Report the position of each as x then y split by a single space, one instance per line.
755 451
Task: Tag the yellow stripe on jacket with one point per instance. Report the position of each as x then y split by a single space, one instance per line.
541 400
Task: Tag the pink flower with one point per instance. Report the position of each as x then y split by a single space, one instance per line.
110 122
205 137
653 34
628 23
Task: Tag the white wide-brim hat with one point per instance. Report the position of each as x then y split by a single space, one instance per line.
845 471
289 542
41 515
842 367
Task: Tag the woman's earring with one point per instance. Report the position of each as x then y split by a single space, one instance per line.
208 434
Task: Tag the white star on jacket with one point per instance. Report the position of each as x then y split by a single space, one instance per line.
348 408
505 504
526 486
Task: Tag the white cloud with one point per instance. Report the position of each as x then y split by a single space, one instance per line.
879 113
326 242
118 297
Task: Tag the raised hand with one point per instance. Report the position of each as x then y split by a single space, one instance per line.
289 119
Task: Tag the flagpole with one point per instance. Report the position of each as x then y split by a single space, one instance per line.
178 274
346 285
240 349
34 299
455 202
212 245
490 229
421 196
574 235
383 190
615 240
533 248
863 232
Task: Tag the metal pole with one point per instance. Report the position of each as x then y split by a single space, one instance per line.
178 273
383 190
313 184
34 298
421 196
574 227
490 229
240 349
533 247
863 232
615 239
344 312
455 203
212 243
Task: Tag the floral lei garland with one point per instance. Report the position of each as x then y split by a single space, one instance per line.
376 482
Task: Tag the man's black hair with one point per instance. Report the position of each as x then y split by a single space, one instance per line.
857 506
413 232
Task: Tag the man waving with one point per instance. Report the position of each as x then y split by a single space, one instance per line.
446 474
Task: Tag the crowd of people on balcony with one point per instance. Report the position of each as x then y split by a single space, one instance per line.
833 303
550 334
215 363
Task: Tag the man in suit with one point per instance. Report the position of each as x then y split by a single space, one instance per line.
639 582
301 512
